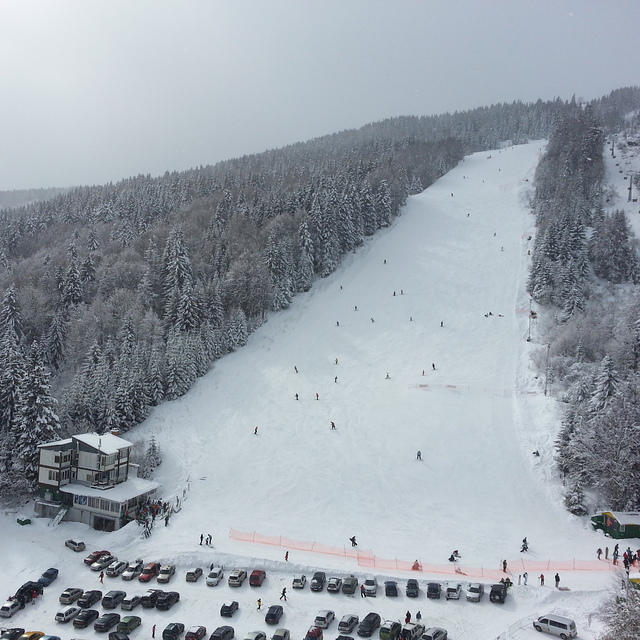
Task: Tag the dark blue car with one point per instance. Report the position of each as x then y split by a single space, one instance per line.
48 577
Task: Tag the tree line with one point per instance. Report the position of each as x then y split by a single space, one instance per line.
118 297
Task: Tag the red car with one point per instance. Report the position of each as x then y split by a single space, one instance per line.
196 633
92 557
257 577
150 571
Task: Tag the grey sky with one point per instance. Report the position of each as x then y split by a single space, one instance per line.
98 90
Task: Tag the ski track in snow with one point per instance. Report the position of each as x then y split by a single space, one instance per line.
476 419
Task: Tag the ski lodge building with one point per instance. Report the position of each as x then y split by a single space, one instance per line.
88 478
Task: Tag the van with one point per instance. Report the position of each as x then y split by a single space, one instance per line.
556 625
412 631
67 613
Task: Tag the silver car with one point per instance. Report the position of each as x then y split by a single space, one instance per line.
475 591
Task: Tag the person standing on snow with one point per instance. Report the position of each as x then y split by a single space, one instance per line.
557 579
353 541
419 455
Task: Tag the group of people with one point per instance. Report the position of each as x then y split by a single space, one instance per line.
629 557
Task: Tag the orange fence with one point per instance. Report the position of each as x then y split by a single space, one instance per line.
366 558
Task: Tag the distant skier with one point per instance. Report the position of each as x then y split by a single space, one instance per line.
333 425
296 368
525 575
317 397
525 546
283 595
353 541
255 431
442 323
419 455
335 379
286 557
336 360
387 376
541 578
433 366
599 552
297 397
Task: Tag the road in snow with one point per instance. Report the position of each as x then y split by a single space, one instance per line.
458 256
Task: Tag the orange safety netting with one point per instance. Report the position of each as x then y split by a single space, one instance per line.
366 558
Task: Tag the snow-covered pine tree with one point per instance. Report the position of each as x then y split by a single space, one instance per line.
152 459
574 499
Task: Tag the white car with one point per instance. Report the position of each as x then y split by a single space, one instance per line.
475 591
103 562
324 618
453 591
116 568
348 623
67 613
371 587
75 545
9 608
166 572
299 582
256 635
133 570
215 575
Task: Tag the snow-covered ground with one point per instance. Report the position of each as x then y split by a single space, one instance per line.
457 262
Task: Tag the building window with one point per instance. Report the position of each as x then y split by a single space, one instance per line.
56 459
54 475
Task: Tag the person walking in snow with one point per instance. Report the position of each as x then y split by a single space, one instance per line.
295 368
286 557
541 578
333 425
153 631
353 541
297 397
418 617
255 431
504 566
363 593
283 595
525 575
259 603
335 379
599 552
606 553
433 366
102 576
557 579
407 617
317 397
201 538
419 455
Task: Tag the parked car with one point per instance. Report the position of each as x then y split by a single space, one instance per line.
412 631
113 598
31 635
334 585
150 597
475 591
133 570
116 568
299 582
12 633
193 575
173 631
348 623
70 595
129 623
89 598
48 576
118 635
85 618
9 608
391 588
371 587
67 613
435 633
215 575
498 592
274 613
196 633
26 590
103 562
106 622
341 637
130 603
75 545
434 589
166 573
413 588
256 635
368 625
92 557
453 591
228 609
281 634
324 618
318 581
167 599
314 633
390 630
149 571
257 578
349 585
224 632
237 577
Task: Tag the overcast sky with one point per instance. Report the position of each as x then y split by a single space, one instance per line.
98 90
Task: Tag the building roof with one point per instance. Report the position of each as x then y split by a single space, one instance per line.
121 492
107 443
626 517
